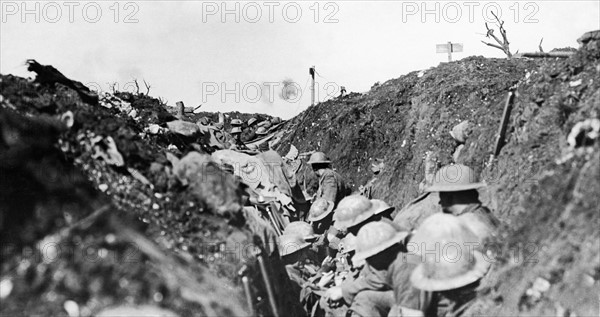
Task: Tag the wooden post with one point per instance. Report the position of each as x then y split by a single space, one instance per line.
180 110
312 90
449 48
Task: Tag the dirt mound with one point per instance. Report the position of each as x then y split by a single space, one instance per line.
93 215
540 187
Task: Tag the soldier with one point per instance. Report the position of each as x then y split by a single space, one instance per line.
295 254
302 229
331 185
261 132
346 272
355 211
249 130
236 133
236 123
380 245
447 279
320 216
457 187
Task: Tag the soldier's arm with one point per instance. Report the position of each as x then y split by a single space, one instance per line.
329 188
367 280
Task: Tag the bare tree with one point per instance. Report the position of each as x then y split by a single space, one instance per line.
137 87
540 46
147 88
502 45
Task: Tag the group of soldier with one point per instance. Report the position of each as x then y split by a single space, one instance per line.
241 132
350 256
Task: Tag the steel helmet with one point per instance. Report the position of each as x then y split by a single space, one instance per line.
302 229
454 178
374 238
320 209
353 210
204 121
456 265
261 131
318 158
236 122
381 206
252 121
236 130
291 243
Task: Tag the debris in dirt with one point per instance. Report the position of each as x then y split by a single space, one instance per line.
292 153
6 286
71 308
47 74
106 149
209 183
183 127
584 133
154 129
575 83
588 37
534 293
461 131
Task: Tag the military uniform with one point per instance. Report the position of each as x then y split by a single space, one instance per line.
448 304
331 186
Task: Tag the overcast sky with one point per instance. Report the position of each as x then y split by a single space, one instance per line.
190 51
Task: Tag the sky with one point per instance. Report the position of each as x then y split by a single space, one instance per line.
255 56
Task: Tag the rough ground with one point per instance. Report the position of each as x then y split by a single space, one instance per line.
545 192
55 248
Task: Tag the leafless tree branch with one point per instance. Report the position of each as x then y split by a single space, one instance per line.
147 88
504 44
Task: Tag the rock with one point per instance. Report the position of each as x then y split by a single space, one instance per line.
106 148
154 129
209 183
71 308
589 36
183 127
575 83
68 119
6 286
584 133
461 131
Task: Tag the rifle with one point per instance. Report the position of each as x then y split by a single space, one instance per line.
265 274
504 123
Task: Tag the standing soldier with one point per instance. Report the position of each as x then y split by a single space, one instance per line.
331 185
457 186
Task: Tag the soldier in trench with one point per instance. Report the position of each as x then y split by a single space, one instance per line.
457 187
332 186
